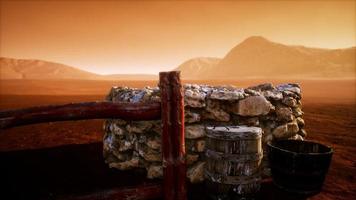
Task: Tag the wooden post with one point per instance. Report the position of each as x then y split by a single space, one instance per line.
173 149
178 135
171 112
167 146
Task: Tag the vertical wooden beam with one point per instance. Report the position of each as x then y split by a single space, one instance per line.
178 136
173 146
167 146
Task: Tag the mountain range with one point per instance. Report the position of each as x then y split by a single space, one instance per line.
255 57
30 69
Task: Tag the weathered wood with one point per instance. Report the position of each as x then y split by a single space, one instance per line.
171 109
173 147
167 145
177 135
80 111
234 155
141 192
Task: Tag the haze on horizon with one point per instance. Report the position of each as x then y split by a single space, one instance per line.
111 37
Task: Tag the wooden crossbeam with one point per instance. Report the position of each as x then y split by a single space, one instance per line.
170 111
80 111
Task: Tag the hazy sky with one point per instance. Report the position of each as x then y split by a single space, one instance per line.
151 36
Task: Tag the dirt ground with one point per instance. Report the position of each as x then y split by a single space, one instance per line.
329 121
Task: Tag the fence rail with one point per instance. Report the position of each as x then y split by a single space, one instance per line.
170 111
80 111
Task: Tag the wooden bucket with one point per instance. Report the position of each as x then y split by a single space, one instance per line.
234 155
299 167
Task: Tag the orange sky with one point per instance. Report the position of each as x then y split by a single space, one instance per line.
148 37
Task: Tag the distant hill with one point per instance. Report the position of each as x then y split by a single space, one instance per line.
196 68
131 77
257 57
37 69
29 69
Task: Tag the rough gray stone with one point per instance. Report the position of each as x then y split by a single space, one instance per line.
191 158
133 95
251 121
252 92
155 171
299 137
196 173
195 146
122 156
299 103
130 164
291 94
296 137
300 122
199 146
284 113
215 111
268 138
302 132
293 127
289 87
297 112
286 130
194 131
125 145
191 117
230 94
154 143
194 97
157 127
254 106
149 154
273 95
108 141
289 101
139 126
262 87
271 118
142 139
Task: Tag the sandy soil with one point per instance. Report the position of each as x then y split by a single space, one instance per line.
330 115
315 90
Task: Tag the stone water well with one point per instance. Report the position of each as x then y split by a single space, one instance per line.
137 144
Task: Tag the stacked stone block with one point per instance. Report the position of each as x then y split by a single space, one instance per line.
137 144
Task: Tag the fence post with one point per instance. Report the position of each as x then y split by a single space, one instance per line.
178 135
173 147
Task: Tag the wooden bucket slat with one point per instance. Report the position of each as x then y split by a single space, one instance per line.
234 156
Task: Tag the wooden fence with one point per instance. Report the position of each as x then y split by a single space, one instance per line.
170 111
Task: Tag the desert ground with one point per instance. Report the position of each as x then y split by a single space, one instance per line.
329 107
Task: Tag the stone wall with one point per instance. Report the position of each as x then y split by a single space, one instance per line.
137 144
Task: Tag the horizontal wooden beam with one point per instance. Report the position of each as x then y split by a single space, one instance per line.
80 111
